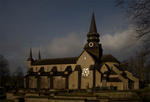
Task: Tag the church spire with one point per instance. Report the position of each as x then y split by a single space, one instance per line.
92 35
39 55
30 53
93 28
93 46
30 56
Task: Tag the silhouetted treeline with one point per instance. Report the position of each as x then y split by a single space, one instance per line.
139 65
8 80
4 72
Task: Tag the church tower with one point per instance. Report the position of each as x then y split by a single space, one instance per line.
93 46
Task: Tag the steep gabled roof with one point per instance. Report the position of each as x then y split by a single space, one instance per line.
68 60
109 58
93 57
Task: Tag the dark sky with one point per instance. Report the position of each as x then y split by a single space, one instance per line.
58 28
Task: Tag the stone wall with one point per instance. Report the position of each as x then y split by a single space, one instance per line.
32 82
85 60
45 82
59 82
73 80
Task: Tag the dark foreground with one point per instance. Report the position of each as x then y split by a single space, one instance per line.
78 96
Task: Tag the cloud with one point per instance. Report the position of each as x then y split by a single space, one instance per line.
121 44
69 45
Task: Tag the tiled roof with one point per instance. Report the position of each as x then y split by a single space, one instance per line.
68 60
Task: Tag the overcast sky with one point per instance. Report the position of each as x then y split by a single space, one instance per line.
58 28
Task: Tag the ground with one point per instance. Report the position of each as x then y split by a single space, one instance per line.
142 94
4 100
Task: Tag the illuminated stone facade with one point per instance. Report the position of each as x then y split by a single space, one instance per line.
91 69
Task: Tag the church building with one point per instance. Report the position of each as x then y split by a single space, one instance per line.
90 70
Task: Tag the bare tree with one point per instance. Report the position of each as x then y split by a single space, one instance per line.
139 14
148 72
4 71
18 78
139 65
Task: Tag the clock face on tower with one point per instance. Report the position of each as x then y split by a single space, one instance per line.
91 44
85 72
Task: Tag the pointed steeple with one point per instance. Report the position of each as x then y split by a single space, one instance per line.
39 55
30 56
93 28
92 35
30 53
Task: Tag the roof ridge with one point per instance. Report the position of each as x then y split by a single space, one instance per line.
66 60
58 58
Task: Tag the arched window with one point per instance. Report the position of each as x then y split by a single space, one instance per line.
78 68
41 69
68 69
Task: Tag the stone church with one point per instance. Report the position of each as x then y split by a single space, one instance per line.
91 69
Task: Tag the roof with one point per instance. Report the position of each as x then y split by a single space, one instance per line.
71 60
114 80
109 58
68 60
